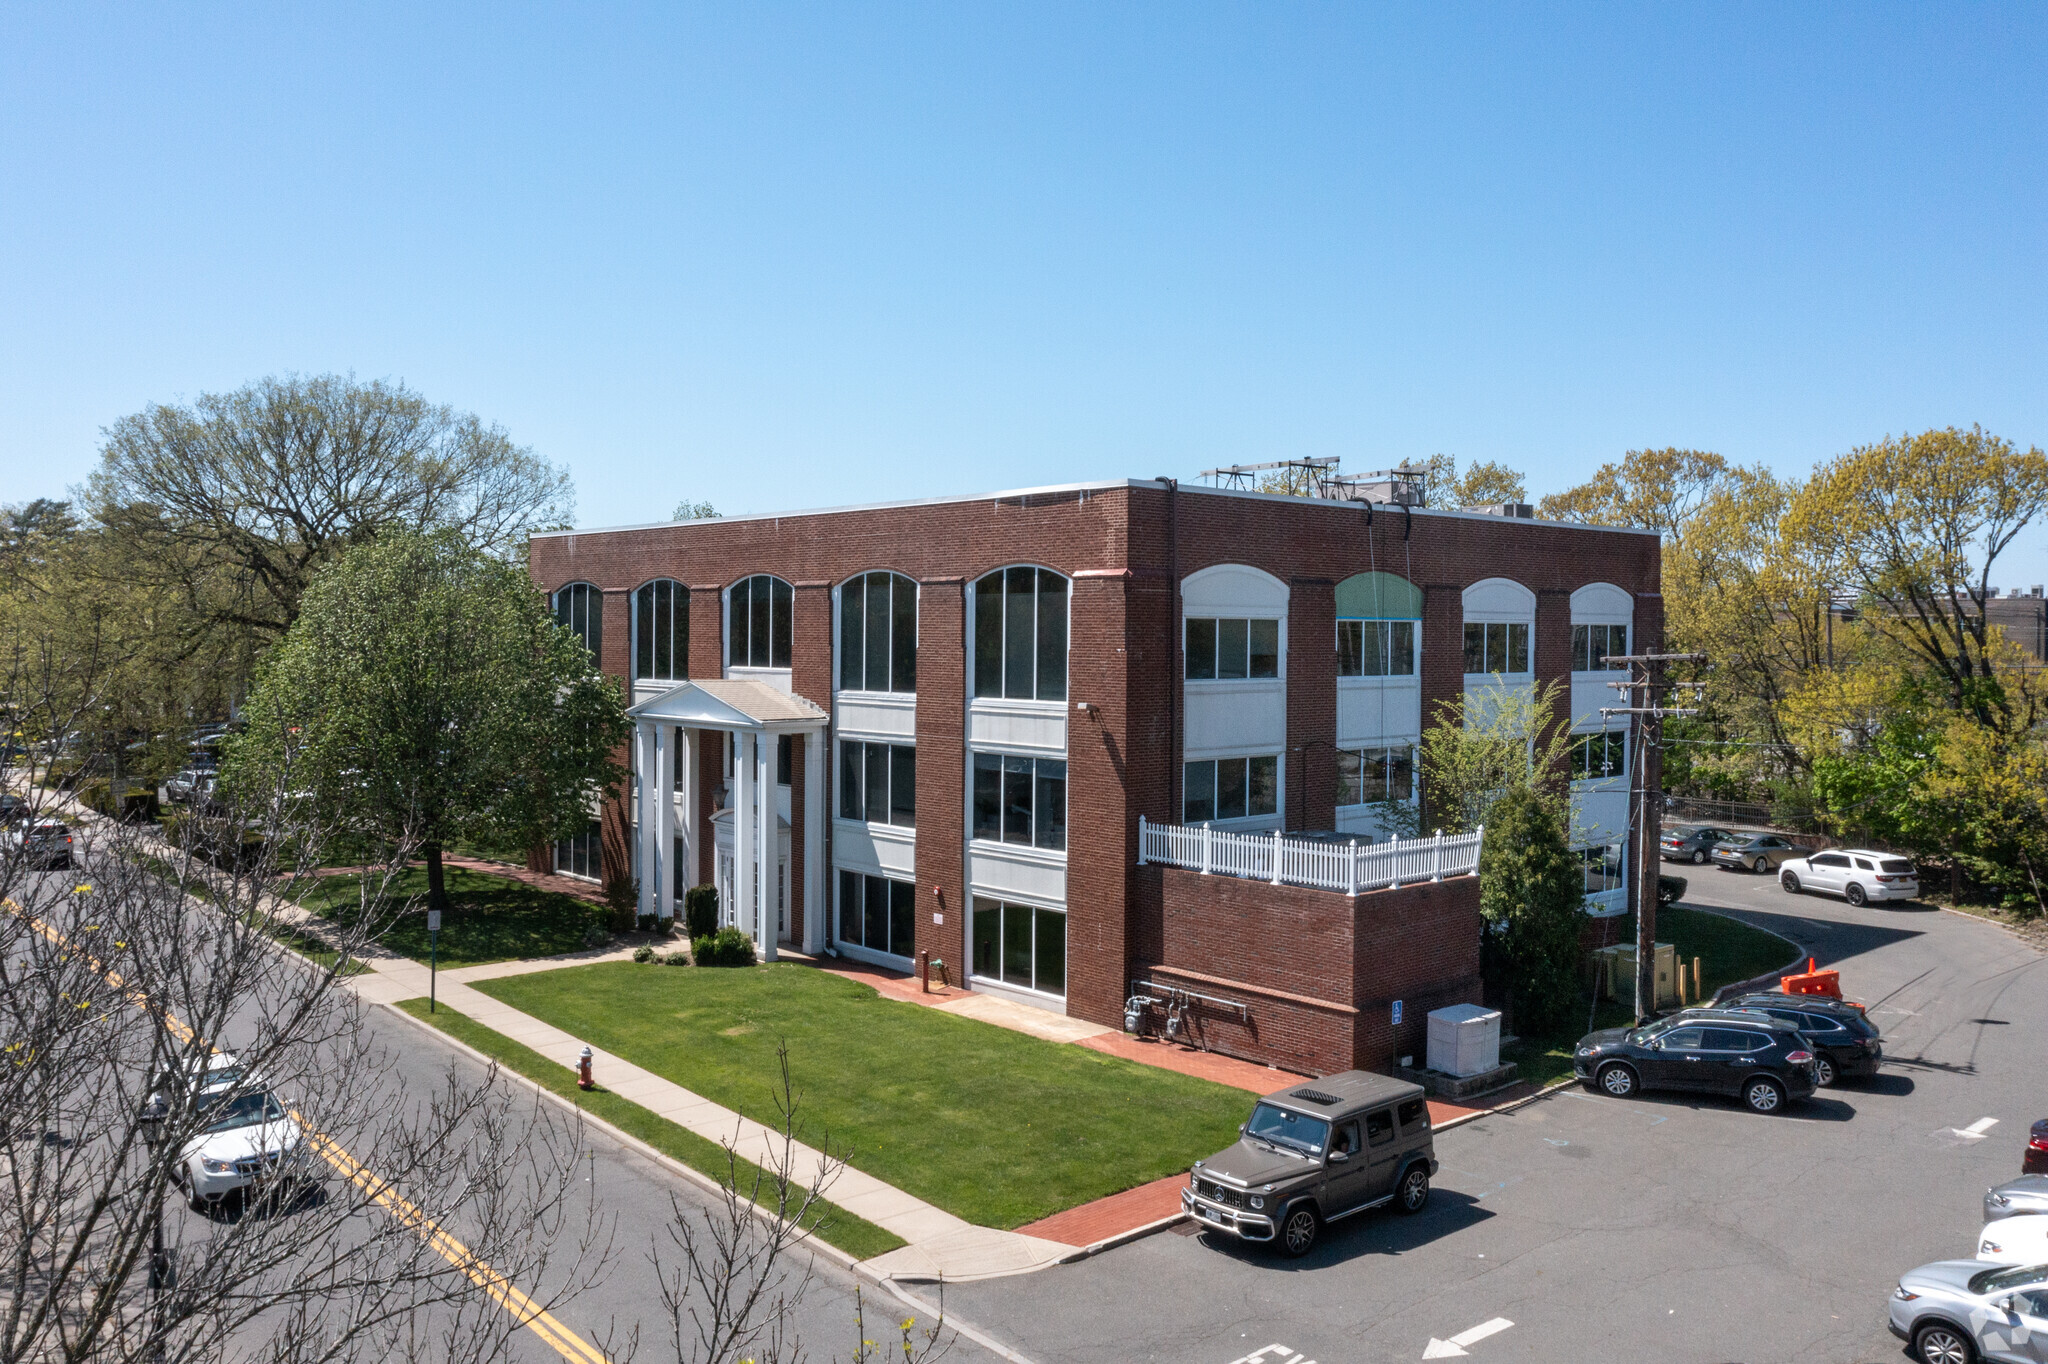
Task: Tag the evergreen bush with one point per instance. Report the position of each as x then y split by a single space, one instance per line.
700 911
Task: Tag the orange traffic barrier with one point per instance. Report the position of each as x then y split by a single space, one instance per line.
1812 981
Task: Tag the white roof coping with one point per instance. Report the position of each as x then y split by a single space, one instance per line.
1381 508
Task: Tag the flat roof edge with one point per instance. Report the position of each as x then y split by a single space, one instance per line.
1103 485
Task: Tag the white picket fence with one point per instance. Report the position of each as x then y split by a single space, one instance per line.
1349 868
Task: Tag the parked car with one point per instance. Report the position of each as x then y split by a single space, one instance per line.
2017 1198
41 843
1957 1311
1844 1041
1692 843
1856 874
179 786
13 809
249 1141
2035 1161
1761 1060
2021 1240
1757 852
1314 1153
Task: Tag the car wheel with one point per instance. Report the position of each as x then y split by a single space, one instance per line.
1298 1232
1699 857
1854 895
199 1203
1790 882
1415 1189
1763 1095
1940 1343
1761 865
1618 1080
1824 1073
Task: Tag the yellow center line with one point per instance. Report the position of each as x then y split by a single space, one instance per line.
525 1311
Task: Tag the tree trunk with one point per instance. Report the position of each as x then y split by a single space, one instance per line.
437 885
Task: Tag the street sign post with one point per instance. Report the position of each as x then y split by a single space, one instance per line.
433 955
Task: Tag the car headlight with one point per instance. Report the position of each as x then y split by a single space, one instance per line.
1991 1248
1257 1202
1587 1051
218 1167
1902 1295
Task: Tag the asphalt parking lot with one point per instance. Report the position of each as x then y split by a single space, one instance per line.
1675 1228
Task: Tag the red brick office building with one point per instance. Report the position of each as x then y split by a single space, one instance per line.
935 727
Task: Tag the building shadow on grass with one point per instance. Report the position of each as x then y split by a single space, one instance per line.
1382 1231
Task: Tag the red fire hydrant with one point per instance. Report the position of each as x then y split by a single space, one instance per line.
583 1080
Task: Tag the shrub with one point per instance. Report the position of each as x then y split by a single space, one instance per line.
648 923
1670 889
622 895
1532 898
643 955
727 947
700 911
676 959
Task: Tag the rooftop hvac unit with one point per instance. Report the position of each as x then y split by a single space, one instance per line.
1464 1039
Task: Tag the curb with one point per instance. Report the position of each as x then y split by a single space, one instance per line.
1123 1238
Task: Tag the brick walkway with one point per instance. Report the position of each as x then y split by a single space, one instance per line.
1116 1215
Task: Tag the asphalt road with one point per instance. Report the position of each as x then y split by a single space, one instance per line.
626 1191
1673 1228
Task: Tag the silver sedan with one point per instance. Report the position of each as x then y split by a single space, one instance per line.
1958 1311
2022 1197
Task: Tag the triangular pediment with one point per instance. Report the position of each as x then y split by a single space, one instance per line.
729 703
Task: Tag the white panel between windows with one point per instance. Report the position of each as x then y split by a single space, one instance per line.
1013 872
1017 726
778 678
875 715
1481 688
1233 589
1590 692
1378 710
1239 719
1602 604
874 848
1600 812
1495 599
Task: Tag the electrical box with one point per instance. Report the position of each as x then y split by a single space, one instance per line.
1621 973
1464 1039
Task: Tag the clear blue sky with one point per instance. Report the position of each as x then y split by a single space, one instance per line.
777 256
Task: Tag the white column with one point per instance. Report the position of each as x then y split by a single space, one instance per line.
744 829
643 738
769 849
815 908
687 749
664 797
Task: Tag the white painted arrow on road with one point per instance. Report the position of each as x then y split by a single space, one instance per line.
1446 1349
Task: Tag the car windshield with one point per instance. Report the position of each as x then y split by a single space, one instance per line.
1292 1130
244 1110
1998 1280
1896 865
1650 1030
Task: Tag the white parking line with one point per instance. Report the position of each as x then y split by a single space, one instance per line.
1446 1349
1272 1354
1980 1127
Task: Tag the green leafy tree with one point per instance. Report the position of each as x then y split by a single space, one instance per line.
686 510
1531 898
424 695
1479 746
1482 483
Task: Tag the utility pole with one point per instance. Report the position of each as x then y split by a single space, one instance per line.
1646 715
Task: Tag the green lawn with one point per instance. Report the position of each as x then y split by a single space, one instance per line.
856 1236
305 944
993 1125
1729 950
490 918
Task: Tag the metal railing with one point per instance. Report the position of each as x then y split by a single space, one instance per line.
1348 868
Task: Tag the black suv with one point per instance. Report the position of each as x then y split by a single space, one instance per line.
1715 1051
1844 1041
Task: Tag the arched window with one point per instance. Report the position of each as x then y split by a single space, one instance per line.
661 631
1500 618
1379 619
878 633
1020 635
1601 613
758 622
579 608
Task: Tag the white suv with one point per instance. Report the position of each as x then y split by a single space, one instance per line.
249 1139
1858 875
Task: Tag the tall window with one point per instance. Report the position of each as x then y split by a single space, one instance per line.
1232 648
1020 945
1375 648
1496 648
878 782
1020 635
1368 775
579 609
1599 755
1229 788
758 624
1020 800
1594 645
581 854
878 633
661 631
877 913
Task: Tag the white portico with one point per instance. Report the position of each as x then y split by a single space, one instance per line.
671 766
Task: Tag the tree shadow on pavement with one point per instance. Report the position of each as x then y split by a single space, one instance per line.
1836 942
